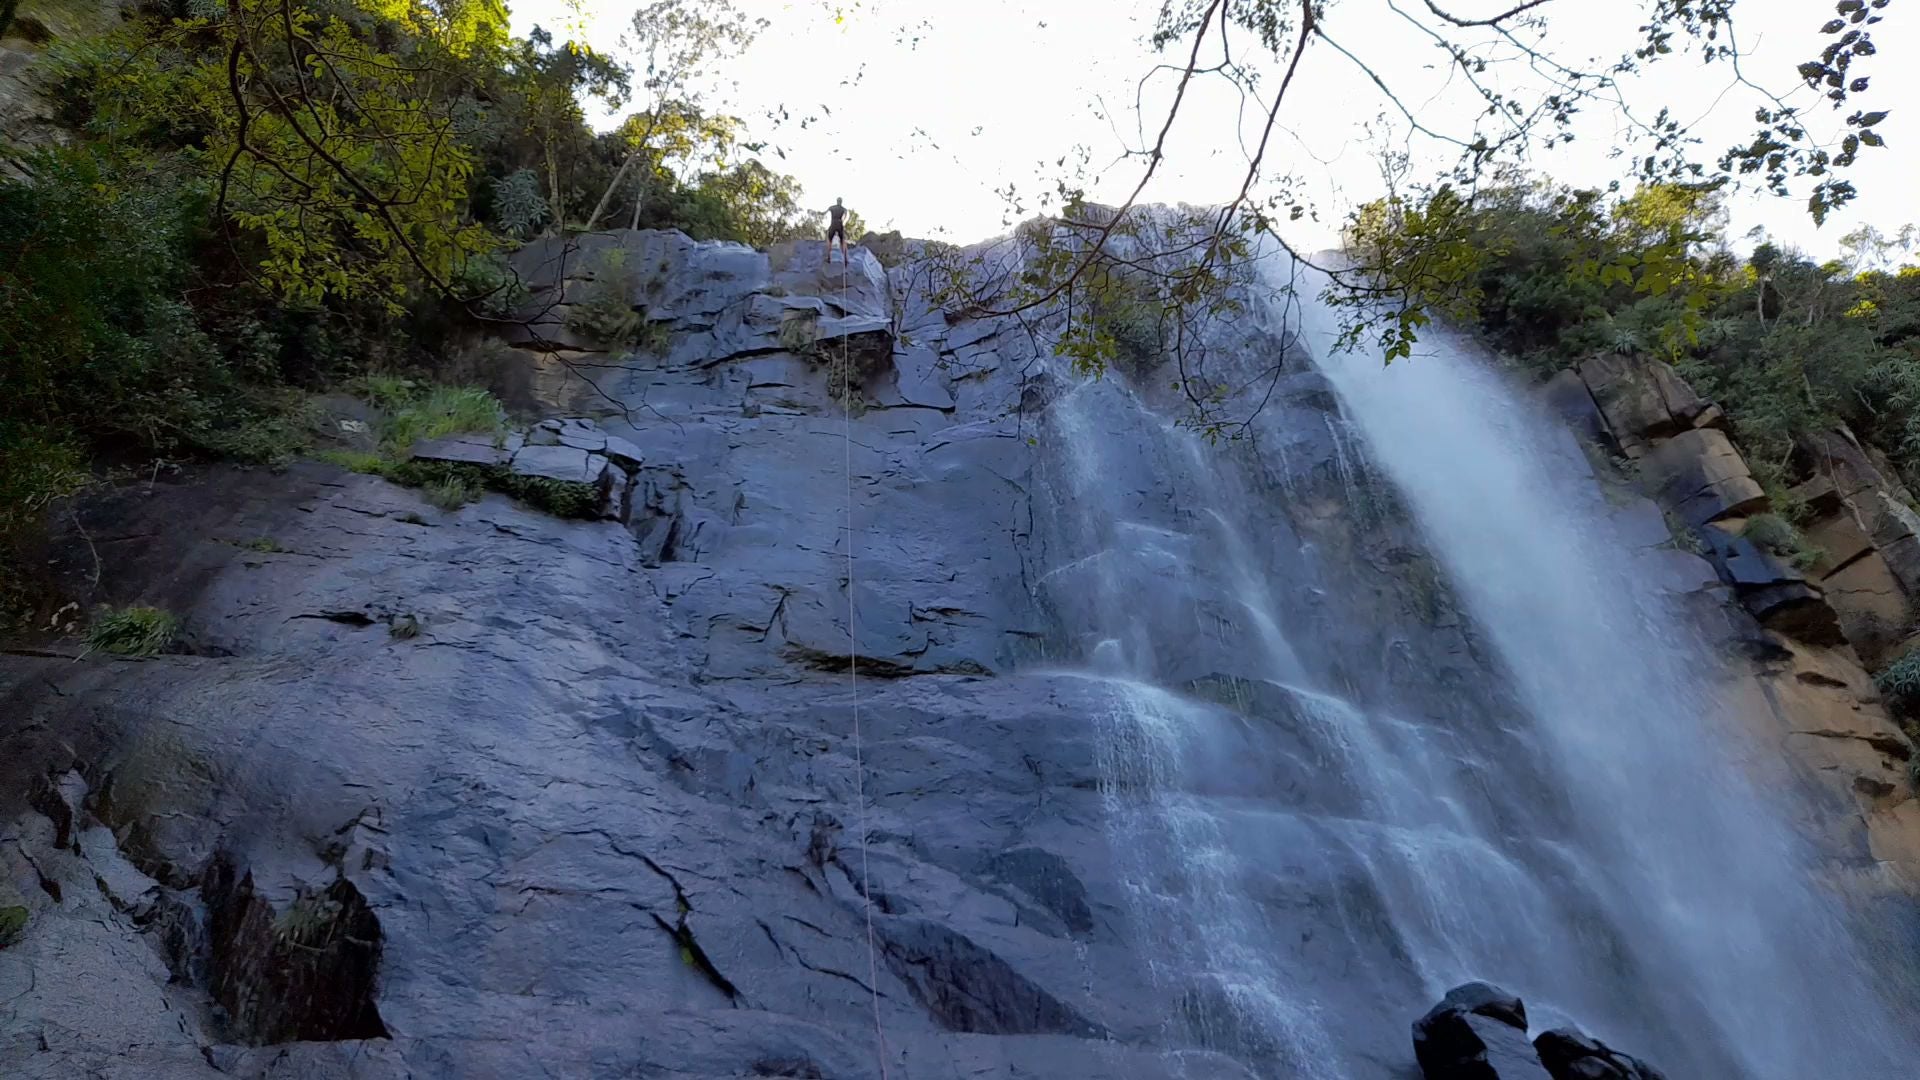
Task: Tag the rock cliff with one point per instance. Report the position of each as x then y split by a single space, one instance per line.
791 763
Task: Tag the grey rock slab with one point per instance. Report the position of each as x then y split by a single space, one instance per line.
567 463
468 449
971 332
582 434
918 380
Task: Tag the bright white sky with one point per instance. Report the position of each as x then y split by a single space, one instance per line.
925 107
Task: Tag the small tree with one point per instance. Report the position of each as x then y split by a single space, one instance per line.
681 39
548 82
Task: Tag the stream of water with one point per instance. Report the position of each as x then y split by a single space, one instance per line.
1311 863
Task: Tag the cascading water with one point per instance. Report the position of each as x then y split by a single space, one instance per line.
1714 890
1324 819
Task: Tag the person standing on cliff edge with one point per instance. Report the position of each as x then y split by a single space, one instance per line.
837 227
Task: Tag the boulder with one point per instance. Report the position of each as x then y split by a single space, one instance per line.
1572 1054
1700 475
623 453
1477 1032
1642 400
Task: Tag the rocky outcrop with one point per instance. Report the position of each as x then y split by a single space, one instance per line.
1808 692
1863 520
1479 1032
1702 477
1571 1054
1776 594
1640 409
1643 401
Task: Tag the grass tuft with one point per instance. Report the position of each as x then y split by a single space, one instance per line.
132 631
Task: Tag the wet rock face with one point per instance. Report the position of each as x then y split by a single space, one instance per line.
598 810
490 793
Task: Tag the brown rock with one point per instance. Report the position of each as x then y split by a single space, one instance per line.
1702 477
1643 400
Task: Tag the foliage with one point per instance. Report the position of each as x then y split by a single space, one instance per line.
491 286
681 41
800 333
450 493
562 498
519 206
1542 268
103 352
13 922
412 412
1508 88
606 313
1776 534
329 134
1901 679
132 631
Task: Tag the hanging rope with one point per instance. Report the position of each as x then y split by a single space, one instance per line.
853 671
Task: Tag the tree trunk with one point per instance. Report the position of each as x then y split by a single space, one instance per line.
640 190
558 204
607 197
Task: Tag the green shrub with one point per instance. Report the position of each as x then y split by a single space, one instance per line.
800 333
1776 534
132 631
1901 679
360 461
438 412
562 498
13 923
490 285
605 313
449 494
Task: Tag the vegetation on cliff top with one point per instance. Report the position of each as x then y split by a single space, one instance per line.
260 199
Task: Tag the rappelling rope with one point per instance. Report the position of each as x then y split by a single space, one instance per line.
853 672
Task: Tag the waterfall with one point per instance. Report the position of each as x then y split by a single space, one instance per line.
1323 816
1715 893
